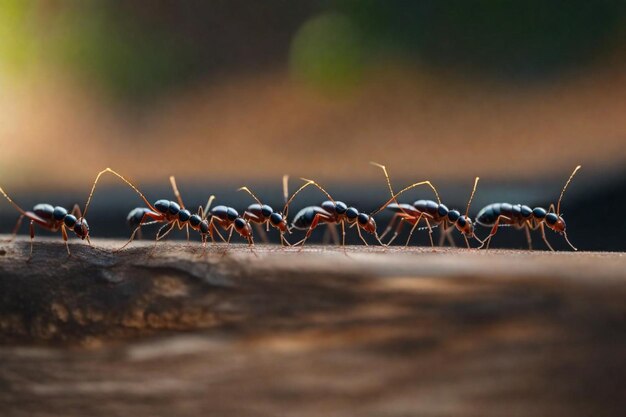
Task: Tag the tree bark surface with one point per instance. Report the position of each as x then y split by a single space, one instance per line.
321 332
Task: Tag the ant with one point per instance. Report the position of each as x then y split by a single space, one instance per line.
429 211
332 212
171 213
53 219
262 214
523 217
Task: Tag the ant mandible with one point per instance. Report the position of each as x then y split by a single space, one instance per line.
523 217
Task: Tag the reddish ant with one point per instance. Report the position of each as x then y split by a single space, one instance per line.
171 213
523 217
429 211
53 219
332 212
262 214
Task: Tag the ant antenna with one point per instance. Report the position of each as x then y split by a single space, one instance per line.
285 187
558 205
286 208
130 184
13 203
376 164
396 195
320 187
176 192
471 196
567 240
246 189
208 206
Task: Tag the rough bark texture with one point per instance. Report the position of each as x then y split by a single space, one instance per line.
374 332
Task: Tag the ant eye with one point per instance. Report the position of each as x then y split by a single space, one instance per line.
266 210
162 206
340 207
539 212
551 218
232 214
363 218
453 215
240 223
461 221
276 219
59 213
204 227
352 213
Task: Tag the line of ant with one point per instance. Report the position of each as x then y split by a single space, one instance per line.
208 221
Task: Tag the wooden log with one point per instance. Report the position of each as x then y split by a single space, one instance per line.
392 332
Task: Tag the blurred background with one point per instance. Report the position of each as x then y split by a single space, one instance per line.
225 93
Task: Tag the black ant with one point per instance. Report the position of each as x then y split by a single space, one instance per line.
429 211
170 213
262 214
332 212
52 219
523 217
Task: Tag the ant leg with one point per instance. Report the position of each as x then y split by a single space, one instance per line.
442 235
494 229
398 228
528 237
32 236
543 235
430 232
16 228
160 236
261 232
332 230
76 211
467 242
64 234
451 239
358 230
314 223
413 229
390 225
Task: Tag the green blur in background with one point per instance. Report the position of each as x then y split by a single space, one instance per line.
141 49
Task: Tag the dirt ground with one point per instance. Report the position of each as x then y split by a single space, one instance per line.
368 331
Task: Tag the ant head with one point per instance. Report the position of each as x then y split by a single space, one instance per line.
352 213
367 223
279 222
555 222
81 228
465 226
243 227
266 210
204 225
